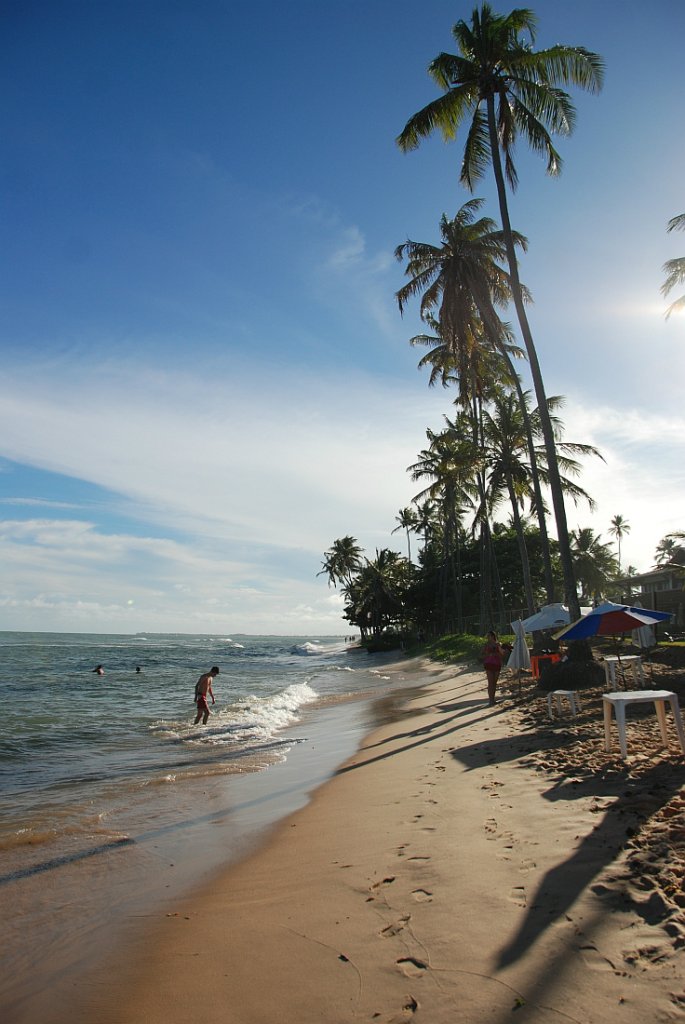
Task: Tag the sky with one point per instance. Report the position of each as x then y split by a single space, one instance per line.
204 376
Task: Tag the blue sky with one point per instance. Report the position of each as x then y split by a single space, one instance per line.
204 377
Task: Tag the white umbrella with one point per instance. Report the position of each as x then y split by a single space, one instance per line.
549 617
552 616
520 655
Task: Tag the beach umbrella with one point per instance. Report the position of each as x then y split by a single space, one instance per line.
549 617
609 619
520 655
644 636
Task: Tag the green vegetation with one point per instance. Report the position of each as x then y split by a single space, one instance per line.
456 647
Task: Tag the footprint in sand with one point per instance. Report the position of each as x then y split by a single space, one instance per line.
490 827
409 1008
422 895
384 881
396 927
411 967
648 955
593 959
518 896
418 858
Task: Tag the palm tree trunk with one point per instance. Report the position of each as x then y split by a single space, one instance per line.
571 593
537 489
523 550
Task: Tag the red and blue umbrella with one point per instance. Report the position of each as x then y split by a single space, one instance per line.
609 619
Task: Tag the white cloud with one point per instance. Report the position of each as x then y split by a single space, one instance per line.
642 477
261 478
255 474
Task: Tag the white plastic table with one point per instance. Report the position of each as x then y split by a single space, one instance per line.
632 660
618 702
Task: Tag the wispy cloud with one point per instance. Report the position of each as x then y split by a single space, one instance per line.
38 503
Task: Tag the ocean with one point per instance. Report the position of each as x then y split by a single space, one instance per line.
112 801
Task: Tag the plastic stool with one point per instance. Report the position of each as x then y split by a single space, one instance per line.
570 695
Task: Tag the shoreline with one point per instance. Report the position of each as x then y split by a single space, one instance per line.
73 912
439 875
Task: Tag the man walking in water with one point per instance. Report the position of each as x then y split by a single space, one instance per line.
203 687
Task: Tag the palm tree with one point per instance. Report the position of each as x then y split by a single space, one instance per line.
595 563
674 269
508 457
462 278
449 468
426 520
407 520
618 529
341 562
669 549
508 89
377 590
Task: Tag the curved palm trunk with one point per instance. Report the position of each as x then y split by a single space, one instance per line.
571 594
497 584
486 547
523 550
537 489
486 611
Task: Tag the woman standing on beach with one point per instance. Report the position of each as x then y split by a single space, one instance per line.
492 656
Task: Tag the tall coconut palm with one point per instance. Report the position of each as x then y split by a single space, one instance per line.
407 520
448 471
674 269
463 280
508 456
508 89
595 563
618 529
341 562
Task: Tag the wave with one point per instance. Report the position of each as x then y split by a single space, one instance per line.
248 722
310 648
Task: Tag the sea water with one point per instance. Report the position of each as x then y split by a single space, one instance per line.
111 798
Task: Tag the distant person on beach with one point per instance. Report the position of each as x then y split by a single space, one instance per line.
203 687
492 656
99 670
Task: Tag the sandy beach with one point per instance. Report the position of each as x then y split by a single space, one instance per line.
467 864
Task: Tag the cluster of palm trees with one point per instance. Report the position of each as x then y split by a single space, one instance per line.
502 448
374 589
504 89
464 577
